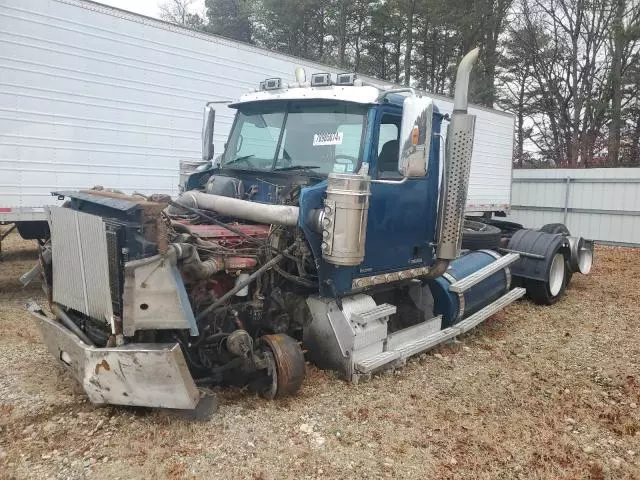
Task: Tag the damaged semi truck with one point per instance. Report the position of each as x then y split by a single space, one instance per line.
331 224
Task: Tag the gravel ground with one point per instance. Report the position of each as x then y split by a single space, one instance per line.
535 392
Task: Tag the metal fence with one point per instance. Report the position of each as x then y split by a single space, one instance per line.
602 204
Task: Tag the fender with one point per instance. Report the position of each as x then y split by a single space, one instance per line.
536 252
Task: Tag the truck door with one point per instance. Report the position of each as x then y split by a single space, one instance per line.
402 217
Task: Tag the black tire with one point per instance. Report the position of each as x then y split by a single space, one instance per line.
287 365
543 292
555 228
560 228
507 228
503 225
35 230
479 236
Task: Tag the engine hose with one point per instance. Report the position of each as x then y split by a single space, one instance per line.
278 258
187 355
245 209
192 264
215 336
296 279
180 227
70 324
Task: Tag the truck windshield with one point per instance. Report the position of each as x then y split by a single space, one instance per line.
317 137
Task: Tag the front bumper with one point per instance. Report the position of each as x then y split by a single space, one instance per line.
149 375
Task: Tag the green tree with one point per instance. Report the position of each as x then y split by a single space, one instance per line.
293 27
436 48
229 18
375 58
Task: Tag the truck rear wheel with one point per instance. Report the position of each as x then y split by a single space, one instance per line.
560 229
549 291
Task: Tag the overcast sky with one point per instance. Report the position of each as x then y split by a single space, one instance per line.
147 7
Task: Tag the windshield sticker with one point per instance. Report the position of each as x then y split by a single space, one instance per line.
321 139
339 167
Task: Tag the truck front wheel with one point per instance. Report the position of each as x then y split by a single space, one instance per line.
286 367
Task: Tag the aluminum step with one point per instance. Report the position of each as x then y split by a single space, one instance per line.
409 334
369 364
469 281
381 311
413 346
421 344
480 316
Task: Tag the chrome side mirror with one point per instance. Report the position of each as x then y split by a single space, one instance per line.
207 132
415 136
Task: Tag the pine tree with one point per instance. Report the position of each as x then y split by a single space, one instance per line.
229 18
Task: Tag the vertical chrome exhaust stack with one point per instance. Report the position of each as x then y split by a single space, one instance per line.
457 165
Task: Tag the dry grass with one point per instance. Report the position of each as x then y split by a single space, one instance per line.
534 393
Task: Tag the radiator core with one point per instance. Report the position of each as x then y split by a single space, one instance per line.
80 262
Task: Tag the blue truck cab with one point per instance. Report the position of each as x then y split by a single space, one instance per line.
280 137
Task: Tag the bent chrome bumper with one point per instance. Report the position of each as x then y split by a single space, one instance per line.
149 375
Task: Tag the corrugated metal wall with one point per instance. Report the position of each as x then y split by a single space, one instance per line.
601 203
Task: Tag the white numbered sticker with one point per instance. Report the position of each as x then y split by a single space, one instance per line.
320 139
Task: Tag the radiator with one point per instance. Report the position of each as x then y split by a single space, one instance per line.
80 262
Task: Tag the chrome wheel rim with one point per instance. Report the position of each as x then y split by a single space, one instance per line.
585 259
556 274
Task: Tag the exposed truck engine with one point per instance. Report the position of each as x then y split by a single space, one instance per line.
330 224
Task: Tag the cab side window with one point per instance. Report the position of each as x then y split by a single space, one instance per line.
388 147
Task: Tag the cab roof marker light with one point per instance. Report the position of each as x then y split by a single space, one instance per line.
320 79
272 84
345 78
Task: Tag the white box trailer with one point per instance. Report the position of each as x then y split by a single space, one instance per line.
92 95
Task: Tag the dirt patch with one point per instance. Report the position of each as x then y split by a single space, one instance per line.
534 393
18 256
